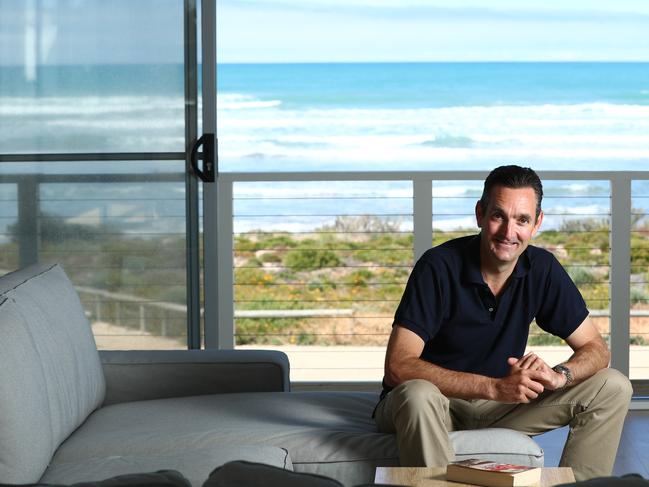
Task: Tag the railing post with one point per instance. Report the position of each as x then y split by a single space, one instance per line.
142 319
225 261
28 221
219 309
620 285
422 219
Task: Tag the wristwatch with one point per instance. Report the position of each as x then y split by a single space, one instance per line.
562 369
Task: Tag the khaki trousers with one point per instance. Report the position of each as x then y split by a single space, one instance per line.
421 416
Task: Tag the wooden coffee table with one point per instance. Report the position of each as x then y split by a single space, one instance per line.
436 476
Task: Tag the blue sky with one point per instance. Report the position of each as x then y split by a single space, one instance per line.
140 31
434 30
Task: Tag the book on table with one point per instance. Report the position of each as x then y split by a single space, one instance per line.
492 474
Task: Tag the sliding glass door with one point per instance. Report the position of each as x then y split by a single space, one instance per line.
99 111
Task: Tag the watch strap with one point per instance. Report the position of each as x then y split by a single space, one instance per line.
567 373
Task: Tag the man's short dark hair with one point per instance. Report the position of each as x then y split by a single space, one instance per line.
513 177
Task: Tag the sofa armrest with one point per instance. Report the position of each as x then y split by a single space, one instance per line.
135 375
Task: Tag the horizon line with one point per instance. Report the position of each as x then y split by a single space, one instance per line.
493 61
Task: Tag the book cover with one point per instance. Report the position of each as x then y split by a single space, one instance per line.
492 474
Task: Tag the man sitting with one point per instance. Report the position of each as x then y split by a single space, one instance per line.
455 359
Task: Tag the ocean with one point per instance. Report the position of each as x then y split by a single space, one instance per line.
340 117
429 116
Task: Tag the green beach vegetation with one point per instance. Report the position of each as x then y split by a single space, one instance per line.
364 266
358 265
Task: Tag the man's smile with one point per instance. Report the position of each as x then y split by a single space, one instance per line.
505 243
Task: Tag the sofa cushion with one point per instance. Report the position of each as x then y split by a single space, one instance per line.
195 465
50 374
327 433
497 444
249 474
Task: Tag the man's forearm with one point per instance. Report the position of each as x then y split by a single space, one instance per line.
462 385
588 359
520 386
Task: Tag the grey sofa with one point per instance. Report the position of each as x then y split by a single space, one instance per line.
69 413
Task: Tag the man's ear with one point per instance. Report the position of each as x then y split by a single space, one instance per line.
537 225
478 214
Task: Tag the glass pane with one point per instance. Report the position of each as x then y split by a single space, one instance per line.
91 76
319 270
454 209
576 229
118 229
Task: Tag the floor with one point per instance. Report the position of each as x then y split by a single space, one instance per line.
633 453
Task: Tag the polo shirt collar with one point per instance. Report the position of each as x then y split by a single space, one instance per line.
471 272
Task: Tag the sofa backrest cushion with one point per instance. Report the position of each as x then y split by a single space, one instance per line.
50 373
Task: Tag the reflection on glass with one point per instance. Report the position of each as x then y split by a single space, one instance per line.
91 76
119 237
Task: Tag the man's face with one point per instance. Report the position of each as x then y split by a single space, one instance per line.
508 224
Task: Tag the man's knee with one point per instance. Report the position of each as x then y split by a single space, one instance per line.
416 396
616 383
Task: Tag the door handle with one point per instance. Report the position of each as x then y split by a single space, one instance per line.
208 173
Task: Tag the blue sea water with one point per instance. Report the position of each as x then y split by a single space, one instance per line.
427 116
369 116
390 116
435 85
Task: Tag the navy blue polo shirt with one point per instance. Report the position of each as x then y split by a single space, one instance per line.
465 328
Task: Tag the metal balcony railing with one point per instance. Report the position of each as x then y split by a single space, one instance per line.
617 217
417 206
